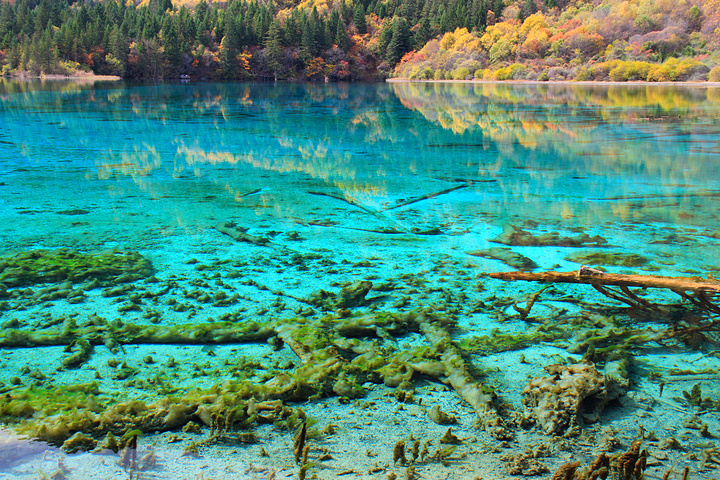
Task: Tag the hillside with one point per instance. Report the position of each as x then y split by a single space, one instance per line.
340 40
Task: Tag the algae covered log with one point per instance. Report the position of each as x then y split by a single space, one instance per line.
458 376
129 334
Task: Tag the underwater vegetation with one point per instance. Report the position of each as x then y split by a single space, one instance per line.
343 339
49 266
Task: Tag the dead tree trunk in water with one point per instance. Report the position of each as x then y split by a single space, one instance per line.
698 291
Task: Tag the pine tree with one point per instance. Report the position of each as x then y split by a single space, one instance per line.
386 34
274 52
229 52
171 41
359 19
423 33
341 39
400 43
6 24
527 9
118 47
309 45
42 16
293 33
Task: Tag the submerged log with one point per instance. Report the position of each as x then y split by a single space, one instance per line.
694 289
591 276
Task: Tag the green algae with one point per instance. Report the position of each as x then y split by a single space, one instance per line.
498 342
613 259
516 236
50 266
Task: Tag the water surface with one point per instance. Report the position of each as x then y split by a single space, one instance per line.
409 186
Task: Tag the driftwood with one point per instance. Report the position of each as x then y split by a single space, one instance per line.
698 291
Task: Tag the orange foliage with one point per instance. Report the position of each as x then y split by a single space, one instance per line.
317 68
579 32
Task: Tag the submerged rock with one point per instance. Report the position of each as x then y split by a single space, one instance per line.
351 295
572 393
608 258
516 236
507 256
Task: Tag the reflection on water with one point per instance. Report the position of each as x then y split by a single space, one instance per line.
583 154
578 153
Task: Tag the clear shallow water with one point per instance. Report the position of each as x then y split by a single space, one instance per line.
344 180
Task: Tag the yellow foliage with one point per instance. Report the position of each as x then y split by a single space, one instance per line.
448 41
533 22
714 75
322 6
626 71
460 39
499 31
317 67
624 10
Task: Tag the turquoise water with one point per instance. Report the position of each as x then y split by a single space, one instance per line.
143 159
398 184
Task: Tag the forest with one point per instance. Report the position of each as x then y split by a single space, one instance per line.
363 40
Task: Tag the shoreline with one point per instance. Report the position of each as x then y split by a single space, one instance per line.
560 82
57 77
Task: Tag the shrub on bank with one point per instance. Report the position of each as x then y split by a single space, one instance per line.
516 71
714 74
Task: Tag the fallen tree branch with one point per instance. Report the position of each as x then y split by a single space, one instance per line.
694 289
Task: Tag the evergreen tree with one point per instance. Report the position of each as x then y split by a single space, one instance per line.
310 46
6 24
274 52
498 7
171 41
359 19
423 33
117 45
201 10
528 8
386 34
400 42
228 58
327 35
293 32
341 39
42 16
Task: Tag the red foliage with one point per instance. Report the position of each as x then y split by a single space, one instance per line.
571 24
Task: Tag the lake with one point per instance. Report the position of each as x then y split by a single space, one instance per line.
237 257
